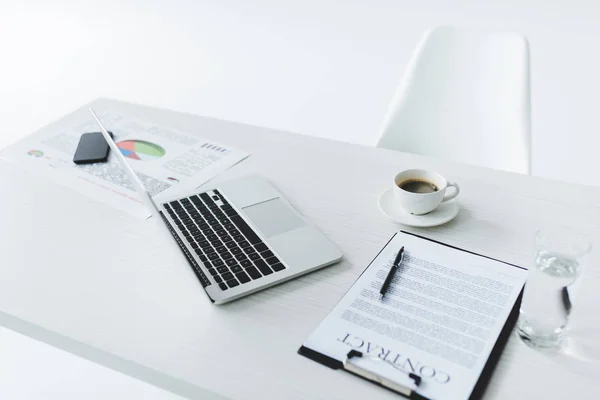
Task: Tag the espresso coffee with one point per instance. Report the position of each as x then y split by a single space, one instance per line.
418 186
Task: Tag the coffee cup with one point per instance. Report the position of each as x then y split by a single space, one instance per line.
419 191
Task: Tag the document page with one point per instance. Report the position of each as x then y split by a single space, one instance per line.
440 318
165 160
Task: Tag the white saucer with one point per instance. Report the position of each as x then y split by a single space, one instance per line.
390 208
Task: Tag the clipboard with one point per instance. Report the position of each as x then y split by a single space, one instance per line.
486 373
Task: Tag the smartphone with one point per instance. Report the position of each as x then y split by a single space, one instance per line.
92 148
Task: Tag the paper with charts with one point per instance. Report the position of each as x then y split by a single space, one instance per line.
164 159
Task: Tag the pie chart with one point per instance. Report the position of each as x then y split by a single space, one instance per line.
140 150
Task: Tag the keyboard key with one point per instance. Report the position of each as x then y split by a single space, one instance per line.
267 254
261 246
218 263
203 225
254 256
216 242
223 286
226 256
232 283
226 238
244 243
223 218
253 272
227 276
241 257
199 252
205 197
207 264
229 227
242 277
231 244
207 231
231 262
231 212
220 249
235 250
218 279
214 256
246 263
222 269
238 238
221 232
210 238
205 245
236 268
202 257
278 267
194 245
234 232
213 272
249 250
272 260
263 267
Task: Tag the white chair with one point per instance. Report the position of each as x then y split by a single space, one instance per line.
465 96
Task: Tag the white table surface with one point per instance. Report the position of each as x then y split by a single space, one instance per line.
140 309
55 374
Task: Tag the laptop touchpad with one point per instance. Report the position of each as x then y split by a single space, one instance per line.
273 217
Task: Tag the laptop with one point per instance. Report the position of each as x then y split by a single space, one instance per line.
240 236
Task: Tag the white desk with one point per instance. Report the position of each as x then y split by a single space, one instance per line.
141 310
54 374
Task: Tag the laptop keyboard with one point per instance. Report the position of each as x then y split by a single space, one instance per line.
224 242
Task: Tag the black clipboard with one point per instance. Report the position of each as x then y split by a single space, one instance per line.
490 365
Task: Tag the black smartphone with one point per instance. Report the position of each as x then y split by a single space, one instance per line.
92 148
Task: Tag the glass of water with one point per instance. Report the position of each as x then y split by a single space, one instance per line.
546 304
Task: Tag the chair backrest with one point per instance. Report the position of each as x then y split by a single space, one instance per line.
465 96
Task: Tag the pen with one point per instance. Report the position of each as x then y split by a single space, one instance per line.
390 275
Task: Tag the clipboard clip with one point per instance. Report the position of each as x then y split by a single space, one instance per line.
374 377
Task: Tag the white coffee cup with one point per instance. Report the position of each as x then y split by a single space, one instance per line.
423 203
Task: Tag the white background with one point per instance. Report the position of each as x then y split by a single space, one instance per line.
321 67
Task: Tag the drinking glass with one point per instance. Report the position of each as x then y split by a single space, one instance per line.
546 304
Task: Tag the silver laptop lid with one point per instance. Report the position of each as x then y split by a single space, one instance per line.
135 181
